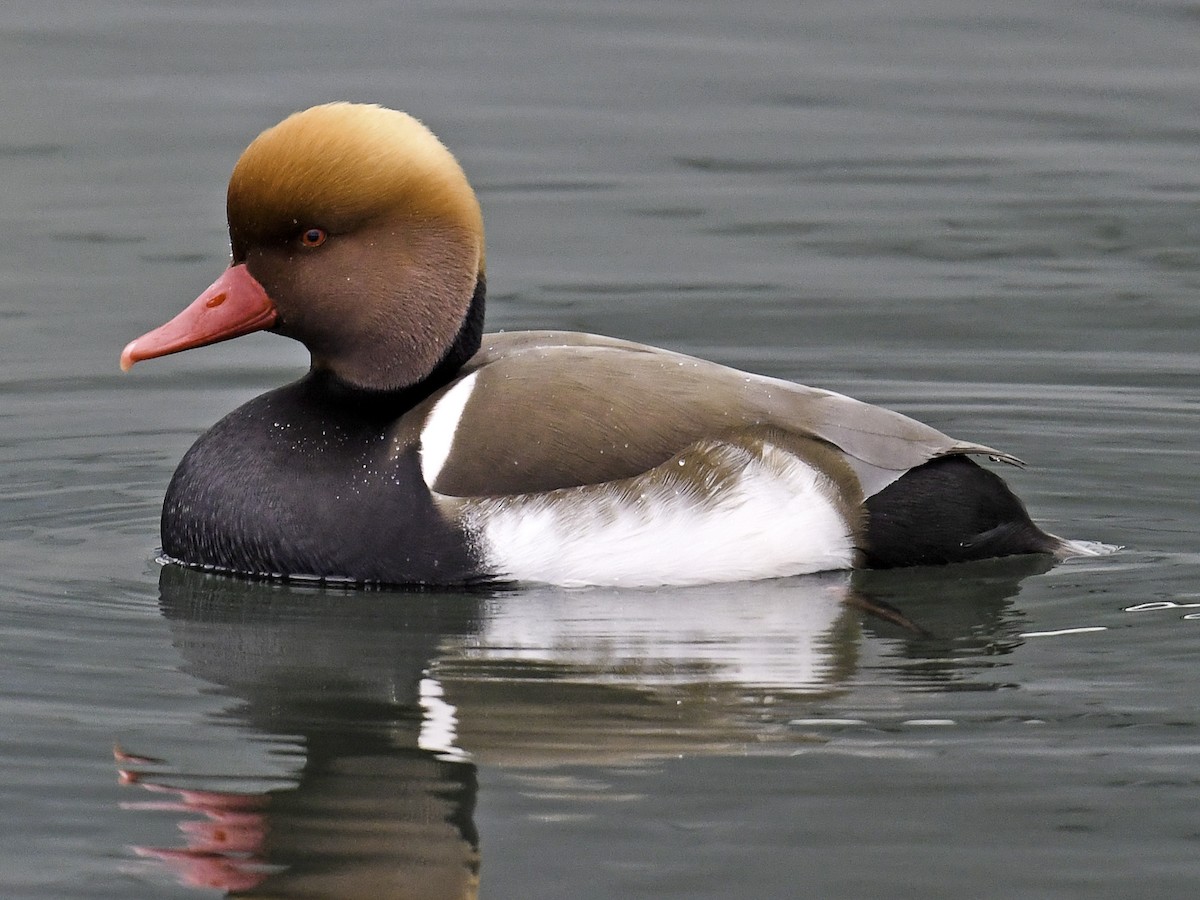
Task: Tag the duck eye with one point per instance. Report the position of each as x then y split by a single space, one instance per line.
314 237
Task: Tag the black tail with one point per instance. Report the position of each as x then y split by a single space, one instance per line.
949 510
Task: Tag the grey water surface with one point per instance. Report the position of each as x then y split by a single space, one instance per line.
984 215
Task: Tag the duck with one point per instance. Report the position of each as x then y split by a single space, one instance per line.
419 450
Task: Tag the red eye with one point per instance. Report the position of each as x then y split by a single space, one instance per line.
314 237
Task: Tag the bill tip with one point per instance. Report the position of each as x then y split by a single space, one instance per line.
127 357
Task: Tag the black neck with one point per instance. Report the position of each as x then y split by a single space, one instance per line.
390 403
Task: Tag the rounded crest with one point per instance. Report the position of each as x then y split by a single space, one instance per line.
342 165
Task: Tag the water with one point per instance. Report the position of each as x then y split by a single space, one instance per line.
986 217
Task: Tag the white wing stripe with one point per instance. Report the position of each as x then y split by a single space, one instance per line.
437 436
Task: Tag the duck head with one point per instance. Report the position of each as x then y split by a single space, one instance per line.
354 231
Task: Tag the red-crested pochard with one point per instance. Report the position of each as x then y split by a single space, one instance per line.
419 450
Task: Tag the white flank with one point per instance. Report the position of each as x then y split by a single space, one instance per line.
721 512
437 437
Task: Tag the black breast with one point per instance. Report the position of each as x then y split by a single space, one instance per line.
305 481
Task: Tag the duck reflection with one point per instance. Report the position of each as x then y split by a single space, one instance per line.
383 804
395 698
968 624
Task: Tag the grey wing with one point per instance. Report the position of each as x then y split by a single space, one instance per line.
560 409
